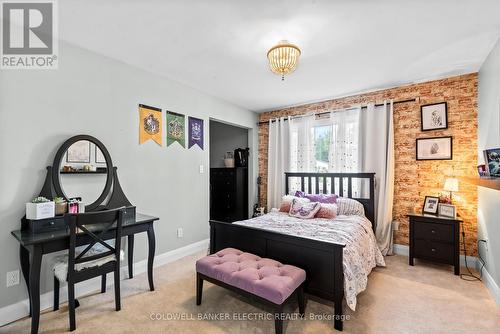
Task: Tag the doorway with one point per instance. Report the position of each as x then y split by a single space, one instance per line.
229 174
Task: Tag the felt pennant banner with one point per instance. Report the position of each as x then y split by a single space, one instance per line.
176 129
150 124
195 126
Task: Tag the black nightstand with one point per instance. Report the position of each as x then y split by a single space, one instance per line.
435 239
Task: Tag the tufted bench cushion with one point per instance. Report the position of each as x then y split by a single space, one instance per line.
263 277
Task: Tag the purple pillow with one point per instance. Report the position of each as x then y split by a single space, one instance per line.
321 198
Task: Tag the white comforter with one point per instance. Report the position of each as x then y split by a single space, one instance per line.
361 253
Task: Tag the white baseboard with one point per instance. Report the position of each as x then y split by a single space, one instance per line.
472 261
492 286
20 309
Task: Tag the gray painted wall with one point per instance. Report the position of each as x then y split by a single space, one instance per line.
223 138
489 137
95 95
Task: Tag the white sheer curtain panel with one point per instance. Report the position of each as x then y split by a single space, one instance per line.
302 148
344 154
278 160
377 138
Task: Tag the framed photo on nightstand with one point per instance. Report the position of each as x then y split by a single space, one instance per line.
431 205
447 210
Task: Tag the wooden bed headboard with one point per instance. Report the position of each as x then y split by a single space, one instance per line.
358 186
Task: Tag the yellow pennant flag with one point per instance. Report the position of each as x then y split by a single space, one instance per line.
150 124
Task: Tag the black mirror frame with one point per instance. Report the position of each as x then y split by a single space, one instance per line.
56 168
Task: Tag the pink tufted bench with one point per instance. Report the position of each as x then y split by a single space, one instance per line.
268 280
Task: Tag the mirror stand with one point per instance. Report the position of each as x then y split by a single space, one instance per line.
112 196
116 200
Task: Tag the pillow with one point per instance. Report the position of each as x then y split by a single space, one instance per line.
322 198
349 207
286 202
327 211
303 210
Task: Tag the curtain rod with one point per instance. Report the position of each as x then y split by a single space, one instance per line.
327 112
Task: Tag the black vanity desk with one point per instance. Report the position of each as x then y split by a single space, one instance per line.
34 246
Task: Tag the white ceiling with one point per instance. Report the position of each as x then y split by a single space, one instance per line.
350 46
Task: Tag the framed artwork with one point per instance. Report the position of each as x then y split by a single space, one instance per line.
434 116
447 210
436 148
99 157
431 205
79 152
492 159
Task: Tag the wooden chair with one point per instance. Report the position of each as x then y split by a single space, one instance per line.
89 229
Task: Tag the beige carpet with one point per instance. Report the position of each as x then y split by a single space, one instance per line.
400 299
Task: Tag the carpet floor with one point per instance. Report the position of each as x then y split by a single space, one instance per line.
425 298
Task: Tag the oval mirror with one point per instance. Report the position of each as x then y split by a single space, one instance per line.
83 169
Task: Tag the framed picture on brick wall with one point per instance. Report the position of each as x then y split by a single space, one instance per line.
437 148
434 116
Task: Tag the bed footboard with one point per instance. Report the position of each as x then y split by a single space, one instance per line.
322 261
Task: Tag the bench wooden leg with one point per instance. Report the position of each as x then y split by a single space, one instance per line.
302 304
199 289
278 320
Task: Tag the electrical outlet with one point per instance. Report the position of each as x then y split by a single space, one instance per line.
180 232
12 278
202 169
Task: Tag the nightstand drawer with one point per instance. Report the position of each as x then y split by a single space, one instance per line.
433 231
434 250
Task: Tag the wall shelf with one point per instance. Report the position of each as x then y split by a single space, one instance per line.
483 181
85 172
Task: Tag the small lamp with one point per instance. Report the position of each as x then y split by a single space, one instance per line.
451 185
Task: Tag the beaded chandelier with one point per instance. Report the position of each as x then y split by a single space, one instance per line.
283 58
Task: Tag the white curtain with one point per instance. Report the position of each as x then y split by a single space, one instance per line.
377 145
302 149
344 153
278 160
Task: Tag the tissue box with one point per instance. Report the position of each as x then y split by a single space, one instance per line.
40 210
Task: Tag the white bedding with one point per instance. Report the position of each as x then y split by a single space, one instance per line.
361 253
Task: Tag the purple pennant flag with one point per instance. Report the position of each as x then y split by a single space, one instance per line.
195 132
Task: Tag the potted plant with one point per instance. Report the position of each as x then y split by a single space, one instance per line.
40 208
61 206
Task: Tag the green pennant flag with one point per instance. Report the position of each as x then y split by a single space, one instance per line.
176 129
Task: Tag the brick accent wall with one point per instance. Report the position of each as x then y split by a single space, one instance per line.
415 179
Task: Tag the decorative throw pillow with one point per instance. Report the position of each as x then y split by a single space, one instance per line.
286 202
327 211
349 207
321 198
303 210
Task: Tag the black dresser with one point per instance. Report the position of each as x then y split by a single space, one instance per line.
436 239
229 194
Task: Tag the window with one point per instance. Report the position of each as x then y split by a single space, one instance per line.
326 145
322 137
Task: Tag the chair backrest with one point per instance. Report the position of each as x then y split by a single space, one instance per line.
94 228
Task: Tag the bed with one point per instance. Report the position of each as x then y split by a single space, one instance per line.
330 253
